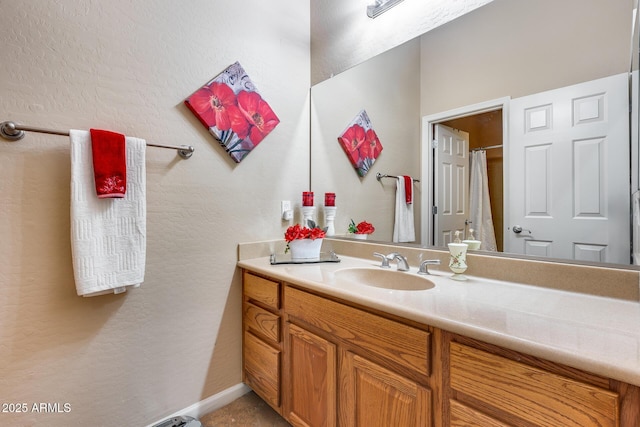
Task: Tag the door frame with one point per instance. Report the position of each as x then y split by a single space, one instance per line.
427 157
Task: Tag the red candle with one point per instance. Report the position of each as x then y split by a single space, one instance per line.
329 199
307 198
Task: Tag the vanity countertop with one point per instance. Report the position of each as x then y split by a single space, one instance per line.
597 334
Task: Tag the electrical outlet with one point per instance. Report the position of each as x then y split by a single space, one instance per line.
285 210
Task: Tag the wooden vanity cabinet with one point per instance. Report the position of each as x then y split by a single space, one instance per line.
320 361
262 337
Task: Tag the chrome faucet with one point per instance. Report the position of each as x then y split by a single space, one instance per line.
401 260
423 265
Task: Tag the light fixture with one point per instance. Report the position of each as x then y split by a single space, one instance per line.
380 6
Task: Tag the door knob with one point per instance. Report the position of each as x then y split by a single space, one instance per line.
518 229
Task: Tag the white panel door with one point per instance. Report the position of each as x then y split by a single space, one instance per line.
451 183
569 173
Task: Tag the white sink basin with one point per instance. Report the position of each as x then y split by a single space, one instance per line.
387 279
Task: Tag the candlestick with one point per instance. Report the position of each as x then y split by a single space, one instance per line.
307 214
329 217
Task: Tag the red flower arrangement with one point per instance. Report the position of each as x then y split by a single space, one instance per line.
363 227
297 231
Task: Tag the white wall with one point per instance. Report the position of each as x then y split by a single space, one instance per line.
128 66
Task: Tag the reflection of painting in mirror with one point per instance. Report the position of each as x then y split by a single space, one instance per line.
360 143
502 49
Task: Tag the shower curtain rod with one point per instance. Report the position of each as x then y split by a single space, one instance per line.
14 132
486 148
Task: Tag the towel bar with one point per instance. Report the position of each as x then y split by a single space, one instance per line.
379 176
13 132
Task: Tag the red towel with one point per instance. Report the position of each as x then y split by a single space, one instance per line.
408 189
109 163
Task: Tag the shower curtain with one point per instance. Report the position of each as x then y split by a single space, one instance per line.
480 204
635 200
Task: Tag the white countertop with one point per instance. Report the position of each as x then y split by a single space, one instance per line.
597 334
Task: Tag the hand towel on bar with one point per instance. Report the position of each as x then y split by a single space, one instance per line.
109 163
403 228
408 188
108 236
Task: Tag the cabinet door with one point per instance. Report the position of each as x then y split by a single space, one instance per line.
262 368
311 370
371 395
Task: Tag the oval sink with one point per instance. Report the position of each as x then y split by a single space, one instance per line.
387 279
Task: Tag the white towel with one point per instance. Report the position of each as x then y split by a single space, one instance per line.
108 236
403 228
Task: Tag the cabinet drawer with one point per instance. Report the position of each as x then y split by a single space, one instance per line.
262 290
262 322
262 368
395 341
463 416
530 393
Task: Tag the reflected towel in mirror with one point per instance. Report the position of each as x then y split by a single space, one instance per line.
403 228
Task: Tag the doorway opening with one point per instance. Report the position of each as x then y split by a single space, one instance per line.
487 126
485 133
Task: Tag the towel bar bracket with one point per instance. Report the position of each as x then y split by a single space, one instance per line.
8 131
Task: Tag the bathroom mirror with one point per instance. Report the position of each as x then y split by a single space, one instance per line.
503 50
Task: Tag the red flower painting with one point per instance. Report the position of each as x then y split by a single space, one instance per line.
360 143
233 111
258 115
351 141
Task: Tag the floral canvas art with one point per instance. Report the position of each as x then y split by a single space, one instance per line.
234 112
360 143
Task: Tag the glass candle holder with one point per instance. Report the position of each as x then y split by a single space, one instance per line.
329 199
307 198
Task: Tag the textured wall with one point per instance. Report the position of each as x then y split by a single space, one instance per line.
127 66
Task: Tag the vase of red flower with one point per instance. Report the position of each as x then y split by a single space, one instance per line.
361 230
304 242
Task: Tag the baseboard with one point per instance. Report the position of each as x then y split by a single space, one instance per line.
211 403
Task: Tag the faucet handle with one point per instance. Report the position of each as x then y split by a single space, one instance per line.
423 265
385 260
